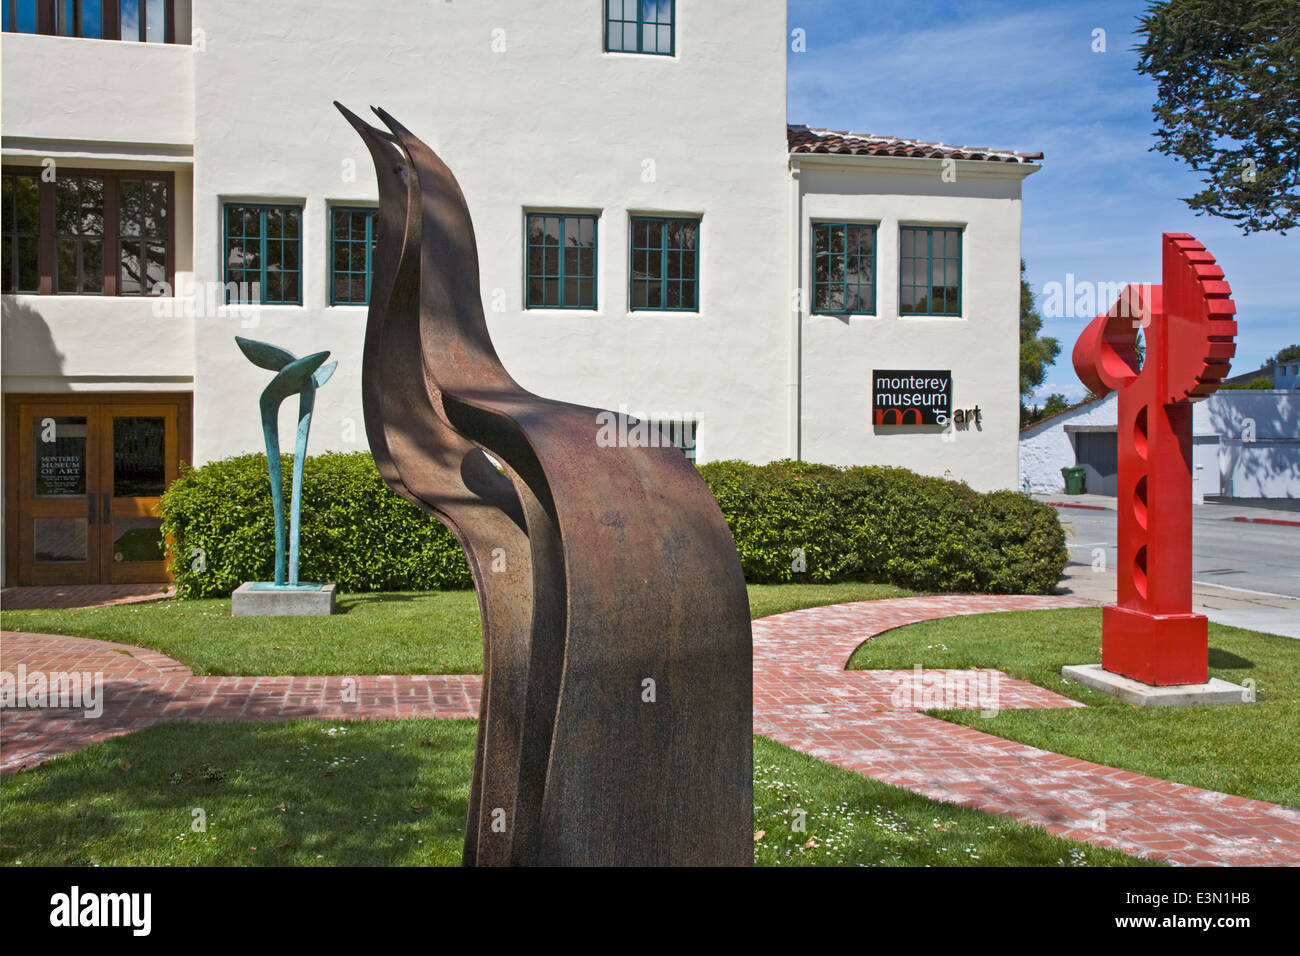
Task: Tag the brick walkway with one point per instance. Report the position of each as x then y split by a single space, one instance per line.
866 721
81 595
804 699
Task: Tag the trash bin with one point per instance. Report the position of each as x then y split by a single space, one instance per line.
1073 479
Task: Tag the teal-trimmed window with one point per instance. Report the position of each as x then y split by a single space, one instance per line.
263 253
665 264
679 434
354 234
561 261
640 26
929 271
844 268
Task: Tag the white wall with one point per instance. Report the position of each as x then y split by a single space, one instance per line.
980 347
70 89
549 122
1046 448
1247 443
1259 454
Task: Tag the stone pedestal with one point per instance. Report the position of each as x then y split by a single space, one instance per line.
1213 691
263 599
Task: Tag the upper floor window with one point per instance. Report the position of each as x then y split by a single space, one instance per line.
146 21
149 21
263 253
23 16
665 264
354 234
929 271
561 261
87 233
20 232
844 269
640 26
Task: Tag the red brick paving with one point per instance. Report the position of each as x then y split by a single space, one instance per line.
803 697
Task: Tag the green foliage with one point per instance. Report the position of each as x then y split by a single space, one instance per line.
355 532
1036 353
1255 384
1289 354
887 525
1033 414
1226 100
882 525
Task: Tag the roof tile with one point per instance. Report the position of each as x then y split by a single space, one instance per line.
804 139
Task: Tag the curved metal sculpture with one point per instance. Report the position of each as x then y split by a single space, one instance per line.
616 720
1150 634
293 374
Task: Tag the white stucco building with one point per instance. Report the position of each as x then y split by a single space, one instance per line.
1245 444
768 290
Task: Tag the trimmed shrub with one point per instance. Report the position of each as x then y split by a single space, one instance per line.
792 522
354 532
887 525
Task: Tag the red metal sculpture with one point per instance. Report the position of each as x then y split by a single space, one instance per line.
1151 634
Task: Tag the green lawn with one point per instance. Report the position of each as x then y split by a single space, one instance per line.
1252 750
428 632
395 793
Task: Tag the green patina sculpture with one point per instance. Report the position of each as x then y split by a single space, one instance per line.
293 374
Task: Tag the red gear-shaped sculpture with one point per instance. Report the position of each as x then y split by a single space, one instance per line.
1150 633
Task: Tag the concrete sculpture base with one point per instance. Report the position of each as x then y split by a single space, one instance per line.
263 599
1212 692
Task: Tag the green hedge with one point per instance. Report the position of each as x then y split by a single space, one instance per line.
887 525
355 531
792 522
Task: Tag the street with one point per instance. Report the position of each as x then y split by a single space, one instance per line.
1244 573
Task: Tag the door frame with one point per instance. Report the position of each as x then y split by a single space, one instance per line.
13 401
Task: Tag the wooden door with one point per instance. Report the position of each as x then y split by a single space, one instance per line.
138 460
59 526
90 478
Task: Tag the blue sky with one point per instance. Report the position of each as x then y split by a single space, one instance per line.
1021 74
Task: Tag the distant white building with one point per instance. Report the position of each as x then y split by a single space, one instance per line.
175 175
1245 444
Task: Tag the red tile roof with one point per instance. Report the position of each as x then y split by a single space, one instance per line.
804 139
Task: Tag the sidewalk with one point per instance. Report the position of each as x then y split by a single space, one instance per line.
1282 510
81 595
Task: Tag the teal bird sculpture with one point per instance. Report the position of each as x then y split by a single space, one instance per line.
293 374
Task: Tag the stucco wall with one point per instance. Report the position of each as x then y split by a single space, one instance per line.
980 346
100 91
1247 443
547 121
1047 447
1259 454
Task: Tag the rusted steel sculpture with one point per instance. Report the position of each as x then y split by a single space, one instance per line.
1151 634
616 720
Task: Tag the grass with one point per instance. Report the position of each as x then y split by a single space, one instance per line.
1251 750
395 793
427 632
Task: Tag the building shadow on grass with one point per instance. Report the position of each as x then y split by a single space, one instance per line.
306 792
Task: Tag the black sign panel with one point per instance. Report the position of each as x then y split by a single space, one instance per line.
911 396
